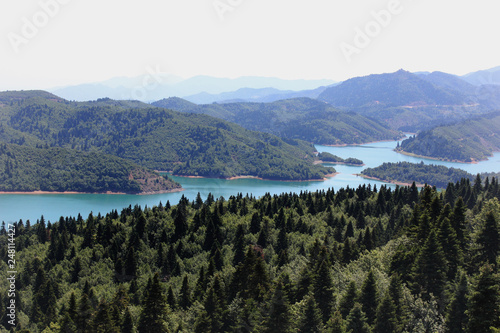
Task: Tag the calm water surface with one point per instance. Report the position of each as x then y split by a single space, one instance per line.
53 206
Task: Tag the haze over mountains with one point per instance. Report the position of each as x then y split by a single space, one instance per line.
155 85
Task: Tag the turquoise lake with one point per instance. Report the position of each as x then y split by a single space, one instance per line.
14 207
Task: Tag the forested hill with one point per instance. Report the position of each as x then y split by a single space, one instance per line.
29 169
354 260
155 138
467 141
297 118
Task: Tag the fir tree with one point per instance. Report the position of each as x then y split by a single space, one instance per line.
356 321
185 294
311 321
323 291
489 239
430 267
368 298
154 315
279 315
336 324
484 301
347 302
385 321
456 321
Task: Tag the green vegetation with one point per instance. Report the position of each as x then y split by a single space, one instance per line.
154 138
30 169
297 118
362 259
405 172
467 141
327 157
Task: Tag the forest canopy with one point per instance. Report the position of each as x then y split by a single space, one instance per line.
353 260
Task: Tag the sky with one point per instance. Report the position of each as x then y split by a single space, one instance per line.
51 43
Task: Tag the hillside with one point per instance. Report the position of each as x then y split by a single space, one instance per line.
380 259
28 169
155 138
412 102
299 118
466 141
405 172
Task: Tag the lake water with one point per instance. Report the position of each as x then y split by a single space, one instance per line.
52 206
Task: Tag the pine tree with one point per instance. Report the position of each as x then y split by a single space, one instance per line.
484 301
347 302
154 315
171 300
214 307
323 291
185 294
368 298
127 324
430 267
451 247
356 320
386 321
396 293
279 315
102 322
457 220
255 223
489 239
336 324
180 221
131 263
83 322
239 245
456 322
311 321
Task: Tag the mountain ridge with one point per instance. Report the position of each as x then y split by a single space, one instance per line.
156 138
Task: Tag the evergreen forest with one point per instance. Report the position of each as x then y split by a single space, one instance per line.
363 259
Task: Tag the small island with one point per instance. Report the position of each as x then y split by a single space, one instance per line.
325 157
405 173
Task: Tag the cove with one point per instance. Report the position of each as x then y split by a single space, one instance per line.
14 207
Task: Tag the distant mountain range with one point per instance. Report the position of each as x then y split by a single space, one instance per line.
402 100
151 87
412 102
487 76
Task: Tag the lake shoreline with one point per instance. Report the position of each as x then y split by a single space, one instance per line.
327 176
389 181
340 163
75 192
402 152
357 144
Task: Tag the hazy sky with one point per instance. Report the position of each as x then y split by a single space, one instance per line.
47 43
